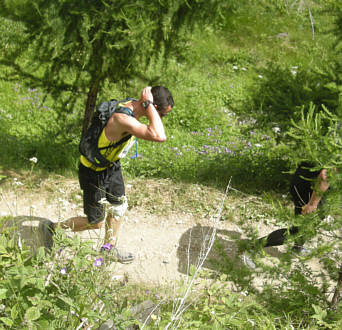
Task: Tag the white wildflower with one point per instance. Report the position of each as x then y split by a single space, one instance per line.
33 160
17 183
260 76
243 69
258 145
276 129
235 67
329 219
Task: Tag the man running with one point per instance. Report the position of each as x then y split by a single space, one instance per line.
307 188
106 184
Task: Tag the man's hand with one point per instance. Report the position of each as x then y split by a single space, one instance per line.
315 198
323 184
146 94
308 208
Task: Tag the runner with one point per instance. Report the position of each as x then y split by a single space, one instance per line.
307 188
106 185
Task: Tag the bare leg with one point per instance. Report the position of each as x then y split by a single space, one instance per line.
78 224
112 226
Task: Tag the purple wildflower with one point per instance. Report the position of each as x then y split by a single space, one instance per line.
63 271
98 262
107 246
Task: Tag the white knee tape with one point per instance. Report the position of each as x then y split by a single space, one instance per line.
118 210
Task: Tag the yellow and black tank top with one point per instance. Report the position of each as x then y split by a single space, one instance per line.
110 153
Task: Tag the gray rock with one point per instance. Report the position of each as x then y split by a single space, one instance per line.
141 312
108 325
24 229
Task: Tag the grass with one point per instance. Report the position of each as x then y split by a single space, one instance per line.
220 83
229 87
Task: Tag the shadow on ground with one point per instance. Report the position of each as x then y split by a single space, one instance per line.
193 246
194 243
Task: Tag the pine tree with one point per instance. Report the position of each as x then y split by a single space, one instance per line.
80 44
317 138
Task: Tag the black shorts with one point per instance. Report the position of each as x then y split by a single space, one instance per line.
107 184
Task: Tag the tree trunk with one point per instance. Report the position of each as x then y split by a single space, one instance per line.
90 106
338 290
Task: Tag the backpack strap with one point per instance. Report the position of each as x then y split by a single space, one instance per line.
128 112
124 139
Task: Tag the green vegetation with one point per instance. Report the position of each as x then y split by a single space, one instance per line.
256 91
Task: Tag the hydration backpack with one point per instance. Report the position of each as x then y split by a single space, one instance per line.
88 146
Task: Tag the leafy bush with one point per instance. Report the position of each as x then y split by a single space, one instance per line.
60 290
279 94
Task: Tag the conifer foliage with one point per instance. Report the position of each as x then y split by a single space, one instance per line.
80 44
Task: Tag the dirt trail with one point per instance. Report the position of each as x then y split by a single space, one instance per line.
159 243
163 246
